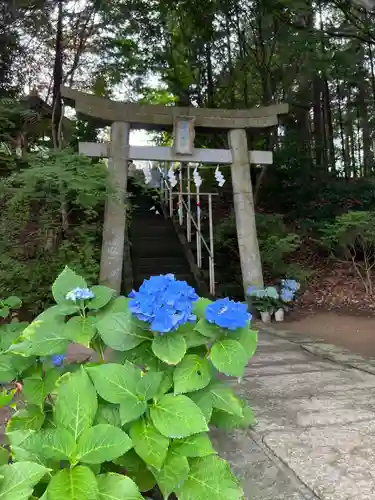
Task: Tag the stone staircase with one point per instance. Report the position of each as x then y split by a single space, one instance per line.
155 246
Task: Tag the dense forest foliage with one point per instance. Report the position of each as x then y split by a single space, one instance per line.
314 204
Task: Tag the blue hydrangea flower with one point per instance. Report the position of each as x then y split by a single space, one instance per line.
80 294
286 295
252 290
228 314
292 285
164 302
58 359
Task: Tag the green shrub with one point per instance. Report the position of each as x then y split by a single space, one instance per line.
276 244
11 366
141 420
50 215
8 304
352 237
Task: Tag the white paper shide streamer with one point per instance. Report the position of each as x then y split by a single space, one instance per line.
147 173
154 209
219 177
172 179
197 178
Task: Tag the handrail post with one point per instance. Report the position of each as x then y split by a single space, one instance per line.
170 189
188 215
161 187
180 207
211 256
199 243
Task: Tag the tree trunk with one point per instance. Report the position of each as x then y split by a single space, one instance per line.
343 139
57 78
329 125
319 132
365 126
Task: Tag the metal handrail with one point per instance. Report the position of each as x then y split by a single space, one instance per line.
190 220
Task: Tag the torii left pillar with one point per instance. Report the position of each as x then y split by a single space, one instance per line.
114 227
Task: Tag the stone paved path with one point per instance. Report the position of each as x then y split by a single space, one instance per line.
315 437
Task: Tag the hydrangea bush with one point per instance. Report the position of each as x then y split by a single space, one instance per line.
11 366
264 299
136 417
7 305
270 299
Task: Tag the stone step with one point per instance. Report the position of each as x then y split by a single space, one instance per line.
150 229
166 267
155 246
138 280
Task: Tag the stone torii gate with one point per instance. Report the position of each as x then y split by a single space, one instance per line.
124 116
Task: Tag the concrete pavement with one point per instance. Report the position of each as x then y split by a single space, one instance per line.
315 437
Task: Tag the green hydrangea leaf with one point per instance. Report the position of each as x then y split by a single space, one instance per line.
141 356
73 484
76 403
149 444
31 418
117 487
210 477
137 470
4 456
174 472
7 369
121 384
108 414
131 408
177 416
166 383
18 480
192 374
121 332
50 379
42 338
102 443
11 365
119 304
103 295
66 281
207 329
13 302
26 447
9 333
58 311
198 445
4 312
229 357
170 348
34 390
195 339
248 339
203 399
200 306
116 383
56 444
149 385
225 421
6 397
80 330
223 398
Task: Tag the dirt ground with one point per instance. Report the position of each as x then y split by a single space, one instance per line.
356 333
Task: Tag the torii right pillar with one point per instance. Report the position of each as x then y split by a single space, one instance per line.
251 264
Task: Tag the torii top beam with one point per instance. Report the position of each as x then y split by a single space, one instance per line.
155 117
